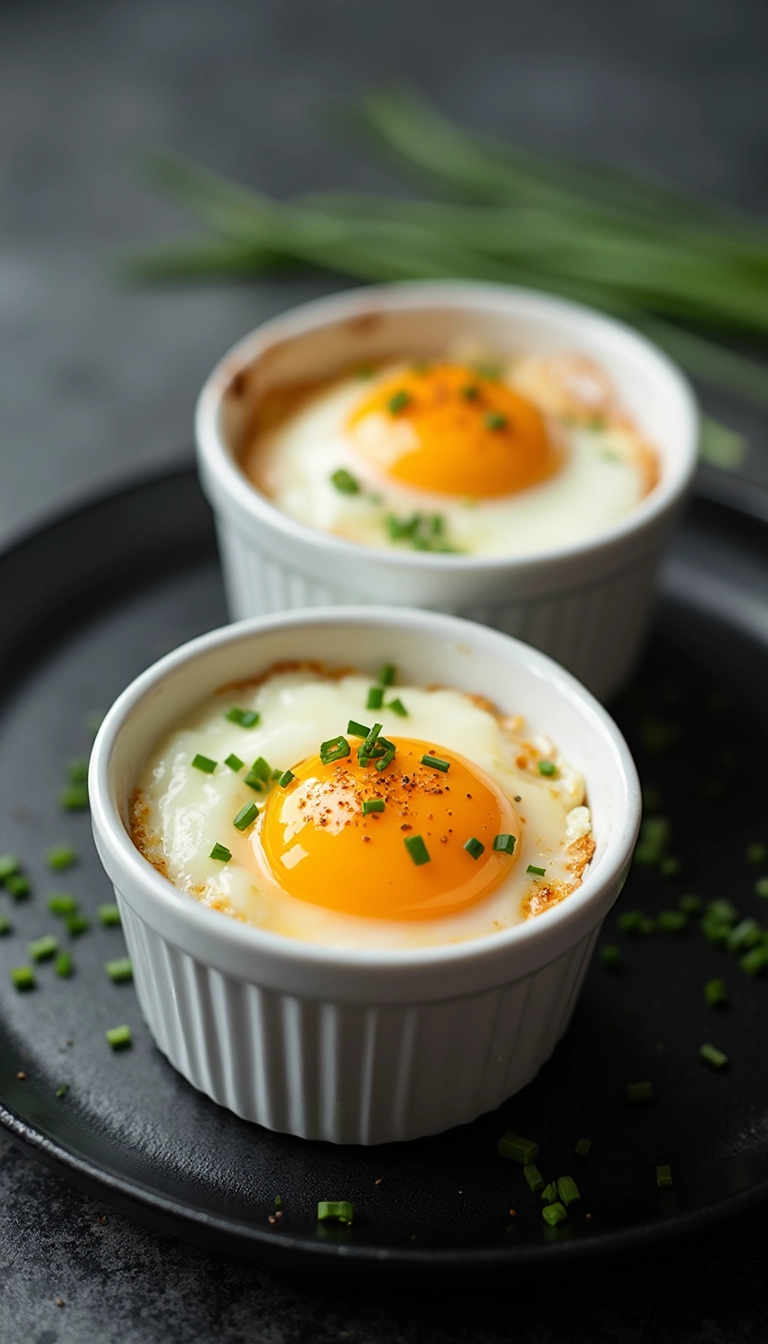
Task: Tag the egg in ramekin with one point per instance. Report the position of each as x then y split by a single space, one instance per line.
340 809
454 456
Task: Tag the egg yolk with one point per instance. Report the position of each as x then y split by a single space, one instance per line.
446 429
321 847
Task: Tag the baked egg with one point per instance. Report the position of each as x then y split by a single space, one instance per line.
340 809
486 459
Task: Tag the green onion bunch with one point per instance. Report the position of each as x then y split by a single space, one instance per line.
668 263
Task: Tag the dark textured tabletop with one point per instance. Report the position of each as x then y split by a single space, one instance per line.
98 380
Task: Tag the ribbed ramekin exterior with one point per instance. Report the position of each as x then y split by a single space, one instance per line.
344 1072
596 631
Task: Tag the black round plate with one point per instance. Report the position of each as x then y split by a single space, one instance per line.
89 601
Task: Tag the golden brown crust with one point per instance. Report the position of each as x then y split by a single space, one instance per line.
543 896
145 840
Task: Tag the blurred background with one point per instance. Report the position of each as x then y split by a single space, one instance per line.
98 377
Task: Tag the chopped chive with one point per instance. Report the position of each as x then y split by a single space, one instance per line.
247 718
664 1176
629 922
61 903
549 1193
245 817
77 925
723 910
262 769
387 674
369 747
646 925
582 1147
356 729
335 1211
568 1191
495 420
471 392
757 852
375 698
345 482
63 965
286 778
654 839
277 772
73 797
547 768
372 805
640 1092
203 763
389 754
553 1214
18 886
119 1037
539 872
474 847
672 921
23 977
716 993
435 763
490 372
534 1177
744 935
710 1054
234 762
9 865
761 887
397 707
610 957
399 401
77 769
505 843
61 856
334 750
755 961
109 915
61 1090
5 926
691 905
220 853
715 931
119 970
278 1202
253 781
42 949
517 1149
417 849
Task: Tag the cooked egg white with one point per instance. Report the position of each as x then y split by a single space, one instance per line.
446 457
312 866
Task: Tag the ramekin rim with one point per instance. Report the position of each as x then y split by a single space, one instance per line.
109 828
214 455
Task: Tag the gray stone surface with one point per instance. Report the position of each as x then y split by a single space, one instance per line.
96 380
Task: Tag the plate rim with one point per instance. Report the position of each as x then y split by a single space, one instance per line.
172 1215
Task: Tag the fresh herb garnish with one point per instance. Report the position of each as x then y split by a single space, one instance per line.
335 1211
42 949
234 762
517 1149
345 482
398 401
73 797
539 872
710 1054
23 977
397 707
335 749
505 843
220 853
286 778
496 421
247 718
245 817
109 915
474 847
119 970
119 1038
436 763
61 903
547 768
375 698
61 856
417 849
372 805
203 763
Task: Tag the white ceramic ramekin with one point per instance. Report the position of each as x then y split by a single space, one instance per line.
587 605
360 1046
